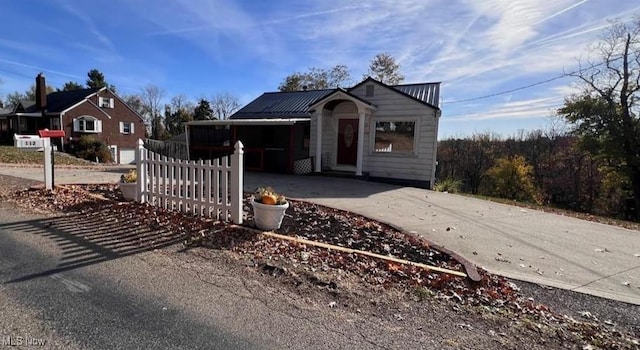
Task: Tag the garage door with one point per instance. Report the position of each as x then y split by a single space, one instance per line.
127 156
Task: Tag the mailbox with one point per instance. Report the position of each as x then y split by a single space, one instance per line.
51 133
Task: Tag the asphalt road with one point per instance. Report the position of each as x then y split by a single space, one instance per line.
66 286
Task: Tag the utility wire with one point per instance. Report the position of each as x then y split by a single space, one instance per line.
531 85
507 91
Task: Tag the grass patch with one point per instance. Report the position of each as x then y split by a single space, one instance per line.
423 293
560 211
14 155
449 185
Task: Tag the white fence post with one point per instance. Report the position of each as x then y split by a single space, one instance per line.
237 174
141 173
48 164
212 188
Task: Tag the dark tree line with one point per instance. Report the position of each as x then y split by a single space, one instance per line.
537 167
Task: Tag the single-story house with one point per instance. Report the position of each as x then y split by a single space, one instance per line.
374 130
96 112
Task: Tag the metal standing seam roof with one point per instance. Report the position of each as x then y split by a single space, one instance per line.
427 92
293 104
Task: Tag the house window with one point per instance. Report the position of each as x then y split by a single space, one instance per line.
87 124
105 102
369 91
395 137
126 128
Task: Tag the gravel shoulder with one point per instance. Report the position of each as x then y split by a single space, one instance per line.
375 306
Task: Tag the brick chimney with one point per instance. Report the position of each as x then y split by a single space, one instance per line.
41 92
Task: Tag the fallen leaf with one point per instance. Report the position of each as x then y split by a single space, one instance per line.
587 315
393 267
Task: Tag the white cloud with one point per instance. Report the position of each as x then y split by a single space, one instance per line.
512 110
89 23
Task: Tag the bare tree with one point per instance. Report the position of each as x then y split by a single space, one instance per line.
152 101
224 105
14 98
134 102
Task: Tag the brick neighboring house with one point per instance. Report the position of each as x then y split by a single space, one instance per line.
96 112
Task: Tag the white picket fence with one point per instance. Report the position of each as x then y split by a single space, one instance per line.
385 149
211 188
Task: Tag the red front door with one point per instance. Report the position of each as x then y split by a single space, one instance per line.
347 141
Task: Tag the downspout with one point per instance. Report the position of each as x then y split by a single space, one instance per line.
318 165
360 145
437 115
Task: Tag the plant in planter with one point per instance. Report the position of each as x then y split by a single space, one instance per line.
129 185
268 208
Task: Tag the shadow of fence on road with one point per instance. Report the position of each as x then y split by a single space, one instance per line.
93 237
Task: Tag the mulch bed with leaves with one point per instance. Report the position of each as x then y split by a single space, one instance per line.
351 278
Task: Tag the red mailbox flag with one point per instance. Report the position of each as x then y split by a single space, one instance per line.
51 133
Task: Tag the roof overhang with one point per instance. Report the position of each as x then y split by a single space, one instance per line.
31 114
240 122
340 94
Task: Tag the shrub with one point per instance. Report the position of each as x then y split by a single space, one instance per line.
449 185
89 148
511 178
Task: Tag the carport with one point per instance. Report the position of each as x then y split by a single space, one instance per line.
272 145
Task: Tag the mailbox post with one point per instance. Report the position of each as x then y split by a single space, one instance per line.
49 158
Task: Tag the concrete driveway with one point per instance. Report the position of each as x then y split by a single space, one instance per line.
523 244
519 243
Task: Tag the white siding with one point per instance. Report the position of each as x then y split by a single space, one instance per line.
391 106
329 141
313 127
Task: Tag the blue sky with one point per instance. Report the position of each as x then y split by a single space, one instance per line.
201 47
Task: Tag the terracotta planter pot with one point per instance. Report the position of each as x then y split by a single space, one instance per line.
268 217
129 190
